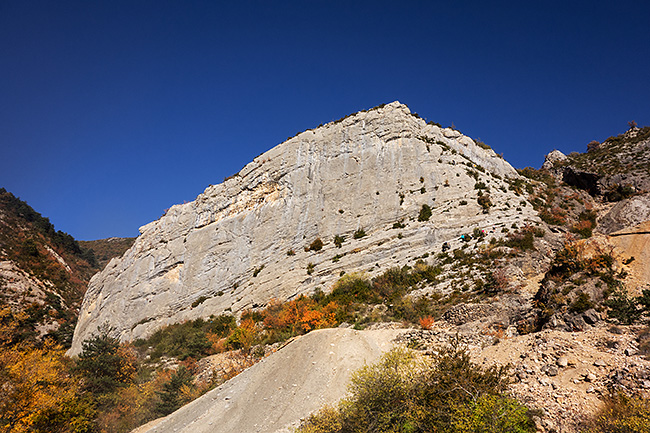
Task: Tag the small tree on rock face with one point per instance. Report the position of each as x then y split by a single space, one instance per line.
593 145
316 245
485 202
425 213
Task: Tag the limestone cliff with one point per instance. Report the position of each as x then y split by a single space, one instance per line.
246 241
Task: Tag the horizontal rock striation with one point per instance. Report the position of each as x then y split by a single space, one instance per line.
246 241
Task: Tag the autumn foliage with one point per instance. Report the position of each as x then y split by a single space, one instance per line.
298 316
33 380
427 322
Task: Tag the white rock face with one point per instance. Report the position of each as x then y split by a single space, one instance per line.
228 249
553 157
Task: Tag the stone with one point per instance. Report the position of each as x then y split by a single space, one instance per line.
552 158
625 214
600 363
591 316
562 361
629 351
552 370
242 243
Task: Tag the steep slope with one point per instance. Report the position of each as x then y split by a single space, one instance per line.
273 395
363 186
563 374
43 272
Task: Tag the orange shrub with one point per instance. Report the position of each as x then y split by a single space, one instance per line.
299 315
427 322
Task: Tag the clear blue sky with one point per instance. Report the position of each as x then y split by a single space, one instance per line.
112 111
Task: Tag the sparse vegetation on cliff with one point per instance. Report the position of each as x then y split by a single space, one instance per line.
425 213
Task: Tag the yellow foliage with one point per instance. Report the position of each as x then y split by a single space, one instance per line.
128 363
32 380
135 407
622 414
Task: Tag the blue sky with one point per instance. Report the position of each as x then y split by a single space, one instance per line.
113 111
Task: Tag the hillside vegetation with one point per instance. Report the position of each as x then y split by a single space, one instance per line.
103 250
44 272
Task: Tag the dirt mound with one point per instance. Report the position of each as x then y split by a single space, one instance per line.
277 392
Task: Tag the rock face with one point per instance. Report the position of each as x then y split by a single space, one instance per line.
553 157
627 213
246 241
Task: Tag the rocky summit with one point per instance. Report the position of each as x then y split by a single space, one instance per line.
373 190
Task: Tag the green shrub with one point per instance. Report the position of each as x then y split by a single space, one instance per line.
492 413
623 308
522 239
582 303
316 245
359 233
425 213
187 339
349 289
405 393
338 240
480 185
171 396
199 301
619 192
101 365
